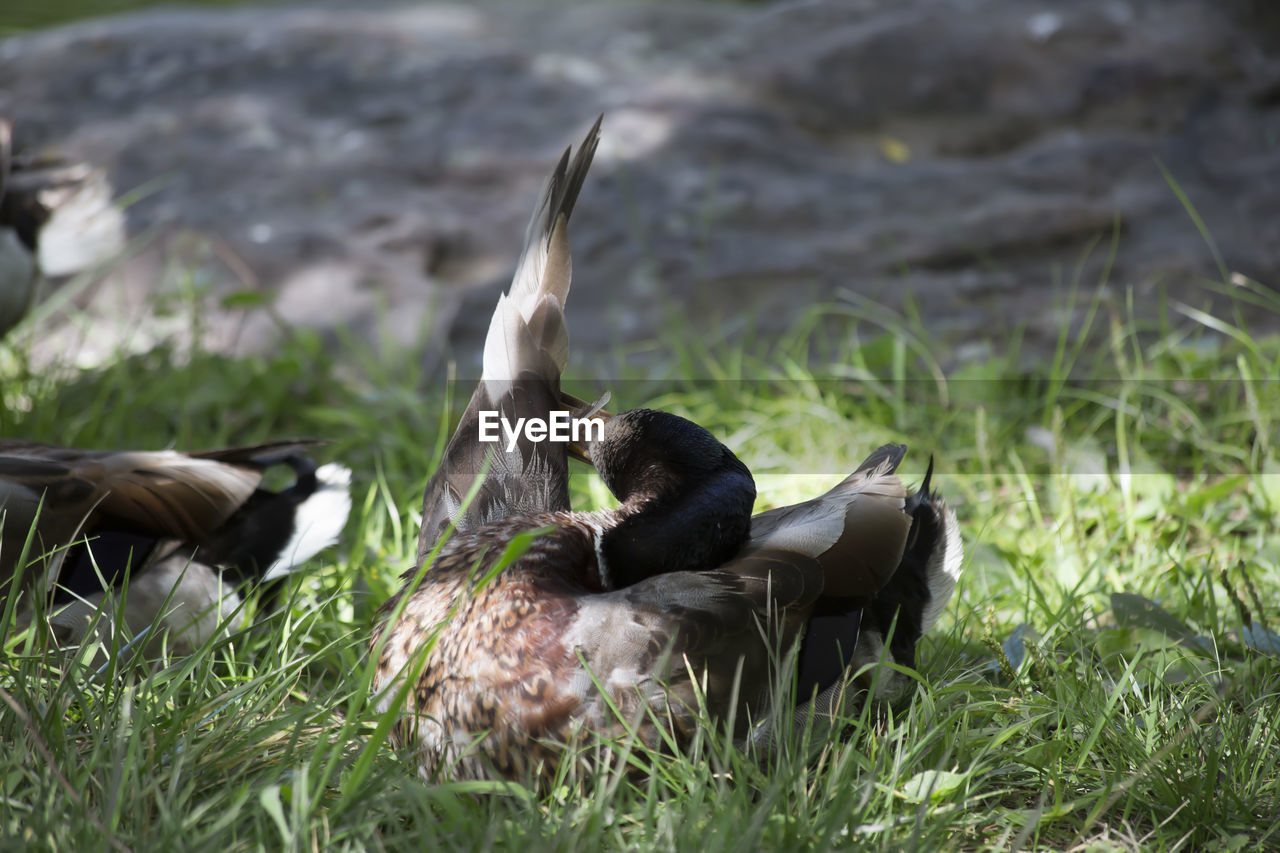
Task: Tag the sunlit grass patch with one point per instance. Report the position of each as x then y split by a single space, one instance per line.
1106 675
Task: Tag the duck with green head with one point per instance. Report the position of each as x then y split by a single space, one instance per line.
630 619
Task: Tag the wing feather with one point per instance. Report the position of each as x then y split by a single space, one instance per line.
857 531
526 349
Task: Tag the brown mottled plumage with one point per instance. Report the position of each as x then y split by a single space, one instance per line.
510 645
518 656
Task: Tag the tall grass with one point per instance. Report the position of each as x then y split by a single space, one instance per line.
1105 678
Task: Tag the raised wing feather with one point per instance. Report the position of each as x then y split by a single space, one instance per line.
526 349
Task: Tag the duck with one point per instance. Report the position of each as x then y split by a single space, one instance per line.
177 535
528 626
57 218
18 270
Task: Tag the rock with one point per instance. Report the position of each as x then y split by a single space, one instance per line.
369 167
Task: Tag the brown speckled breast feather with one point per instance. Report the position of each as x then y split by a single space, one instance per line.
517 665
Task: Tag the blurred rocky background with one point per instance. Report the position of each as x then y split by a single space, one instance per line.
367 167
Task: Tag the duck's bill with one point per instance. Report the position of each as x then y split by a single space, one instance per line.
578 450
582 409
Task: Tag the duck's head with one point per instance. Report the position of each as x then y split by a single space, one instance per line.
684 499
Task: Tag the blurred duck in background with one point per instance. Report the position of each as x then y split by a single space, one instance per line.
17 246
58 218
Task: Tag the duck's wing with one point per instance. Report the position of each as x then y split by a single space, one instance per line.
525 351
856 531
715 633
883 620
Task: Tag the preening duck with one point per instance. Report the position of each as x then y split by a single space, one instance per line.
183 530
512 654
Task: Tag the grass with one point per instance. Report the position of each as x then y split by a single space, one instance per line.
1106 678
20 16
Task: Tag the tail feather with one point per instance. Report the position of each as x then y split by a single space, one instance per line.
888 456
544 262
934 549
942 567
543 274
915 597
845 634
